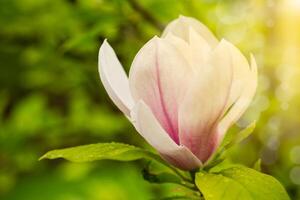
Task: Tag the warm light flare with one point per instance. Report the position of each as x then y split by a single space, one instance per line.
293 4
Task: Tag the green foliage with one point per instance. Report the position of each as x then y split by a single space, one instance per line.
84 181
232 138
101 151
239 183
120 152
162 177
225 183
51 96
179 198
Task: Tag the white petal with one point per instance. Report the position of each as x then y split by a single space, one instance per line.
195 51
180 28
114 78
200 48
242 103
147 125
241 71
182 46
205 102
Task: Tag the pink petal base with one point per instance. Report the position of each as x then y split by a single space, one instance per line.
182 158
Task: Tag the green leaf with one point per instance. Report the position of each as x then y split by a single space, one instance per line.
102 151
180 197
231 138
240 183
234 138
162 177
226 164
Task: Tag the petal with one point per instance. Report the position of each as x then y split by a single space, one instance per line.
147 125
200 48
195 52
182 46
241 71
242 103
205 102
180 26
159 75
114 78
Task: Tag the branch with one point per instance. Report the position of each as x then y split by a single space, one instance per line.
145 14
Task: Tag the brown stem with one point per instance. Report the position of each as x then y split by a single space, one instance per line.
145 14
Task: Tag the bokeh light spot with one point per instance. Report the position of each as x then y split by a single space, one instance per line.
295 175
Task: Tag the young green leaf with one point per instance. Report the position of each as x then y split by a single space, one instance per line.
235 138
163 177
257 165
180 197
108 151
240 183
101 151
231 138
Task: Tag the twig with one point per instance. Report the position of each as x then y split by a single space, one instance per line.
145 14
179 174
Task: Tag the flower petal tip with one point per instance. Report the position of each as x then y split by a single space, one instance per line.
114 78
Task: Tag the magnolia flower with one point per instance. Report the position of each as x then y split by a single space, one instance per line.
185 89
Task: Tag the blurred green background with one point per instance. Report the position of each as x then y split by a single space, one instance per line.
51 96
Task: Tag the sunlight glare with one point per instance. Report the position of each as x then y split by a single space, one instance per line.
295 4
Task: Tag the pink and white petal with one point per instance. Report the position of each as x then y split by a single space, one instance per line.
180 26
159 75
114 78
148 126
182 158
241 71
242 103
205 102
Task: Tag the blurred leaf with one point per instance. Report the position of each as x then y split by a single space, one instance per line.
239 183
3 101
109 181
102 151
